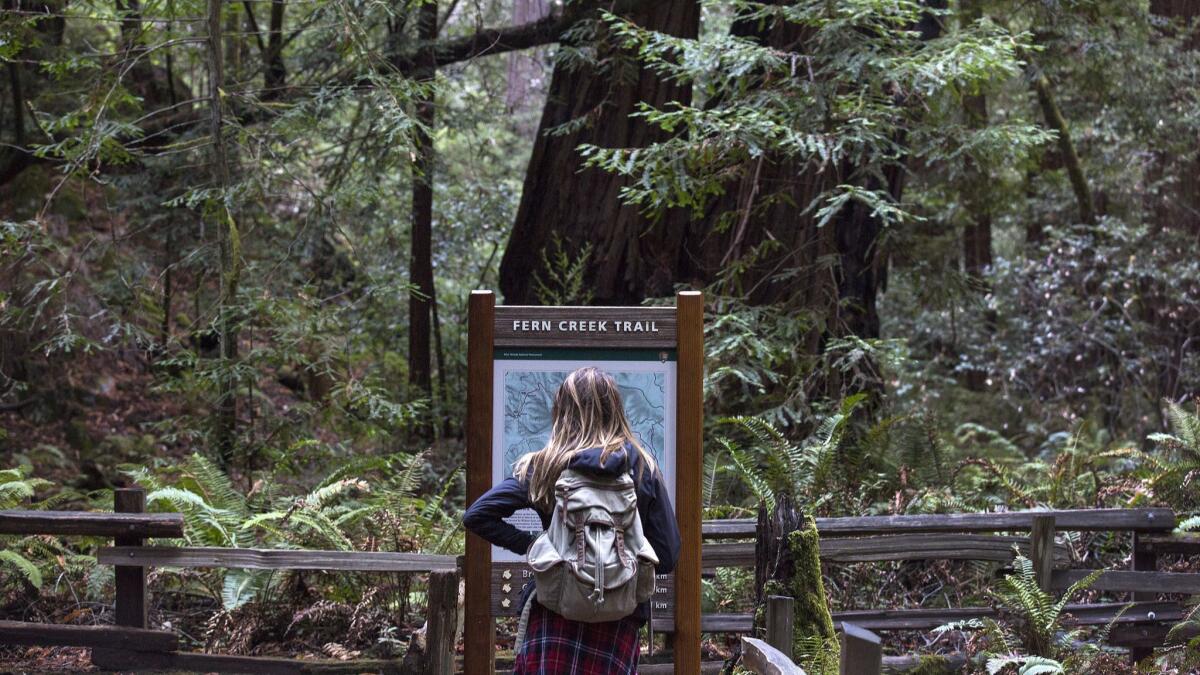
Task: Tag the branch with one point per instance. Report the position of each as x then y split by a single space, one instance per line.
485 42
491 41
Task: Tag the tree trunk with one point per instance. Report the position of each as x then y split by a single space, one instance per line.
168 267
977 235
18 95
632 257
523 67
421 261
977 238
275 72
1182 208
441 390
229 250
1066 147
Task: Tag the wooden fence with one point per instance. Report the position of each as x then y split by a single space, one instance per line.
1139 625
131 645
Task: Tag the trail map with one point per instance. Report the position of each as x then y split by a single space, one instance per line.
523 396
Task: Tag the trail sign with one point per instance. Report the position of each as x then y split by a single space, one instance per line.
517 356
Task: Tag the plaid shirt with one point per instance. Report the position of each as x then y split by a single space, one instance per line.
556 646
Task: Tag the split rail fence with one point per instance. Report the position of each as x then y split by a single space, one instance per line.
130 644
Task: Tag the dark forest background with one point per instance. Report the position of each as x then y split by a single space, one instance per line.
949 251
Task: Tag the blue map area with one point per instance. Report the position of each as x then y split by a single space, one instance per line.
529 398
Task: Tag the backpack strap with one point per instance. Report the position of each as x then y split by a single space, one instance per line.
597 594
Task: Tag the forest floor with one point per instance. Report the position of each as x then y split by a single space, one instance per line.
46 660
104 414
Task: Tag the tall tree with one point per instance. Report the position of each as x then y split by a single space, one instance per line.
228 246
781 186
591 101
523 67
1183 208
760 211
421 297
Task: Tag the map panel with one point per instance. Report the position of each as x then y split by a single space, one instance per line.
529 398
523 396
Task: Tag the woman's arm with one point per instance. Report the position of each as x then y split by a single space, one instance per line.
658 522
486 516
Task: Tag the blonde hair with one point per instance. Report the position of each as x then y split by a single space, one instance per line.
588 413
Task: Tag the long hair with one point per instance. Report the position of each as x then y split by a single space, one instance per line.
588 413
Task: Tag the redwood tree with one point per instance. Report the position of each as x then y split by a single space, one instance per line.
591 102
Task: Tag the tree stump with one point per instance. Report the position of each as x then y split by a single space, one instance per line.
789 563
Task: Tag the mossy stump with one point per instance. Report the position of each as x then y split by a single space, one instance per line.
789 563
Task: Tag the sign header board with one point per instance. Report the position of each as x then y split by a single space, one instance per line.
521 326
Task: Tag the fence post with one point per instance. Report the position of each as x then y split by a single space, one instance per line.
1142 561
862 652
1041 550
780 615
431 649
129 606
441 623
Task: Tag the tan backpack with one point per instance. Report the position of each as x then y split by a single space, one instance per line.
593 563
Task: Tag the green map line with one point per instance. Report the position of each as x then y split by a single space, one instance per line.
582 354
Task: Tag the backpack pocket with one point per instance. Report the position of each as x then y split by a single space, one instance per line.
646 578
548 570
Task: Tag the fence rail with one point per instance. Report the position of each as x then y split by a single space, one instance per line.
893 547
21 633
89 524
274 559
1075 520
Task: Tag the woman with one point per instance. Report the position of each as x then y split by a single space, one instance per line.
589 433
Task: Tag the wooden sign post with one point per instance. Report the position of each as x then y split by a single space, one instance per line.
516 356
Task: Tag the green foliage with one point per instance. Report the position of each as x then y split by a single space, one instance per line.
28 560
369 502
806 470
1035 641
835 103
561 281
1017 383
752 361
1172 468
1183 640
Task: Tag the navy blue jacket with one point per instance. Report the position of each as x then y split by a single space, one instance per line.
485 516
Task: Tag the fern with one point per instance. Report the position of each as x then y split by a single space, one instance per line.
1039 631
1172 469
18 489
813 470
32 558
744 467
22 565
561 281
1026 665
1186 426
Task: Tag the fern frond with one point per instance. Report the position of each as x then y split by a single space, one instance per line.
1075 588
215 485
744 467
1186 426
997 635
326 494
711 463
1188 524
26 568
